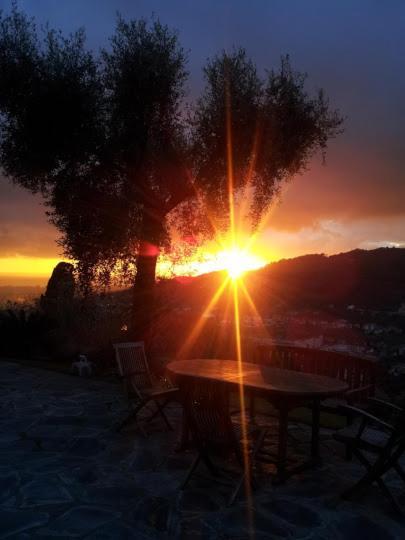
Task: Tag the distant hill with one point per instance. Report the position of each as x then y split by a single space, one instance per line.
373 279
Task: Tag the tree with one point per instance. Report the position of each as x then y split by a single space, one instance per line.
107 142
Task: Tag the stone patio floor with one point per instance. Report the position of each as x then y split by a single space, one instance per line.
65 473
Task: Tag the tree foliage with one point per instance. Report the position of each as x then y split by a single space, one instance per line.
106 140
275 128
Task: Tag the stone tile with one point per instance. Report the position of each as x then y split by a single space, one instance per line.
123 495
239 522
160 483
195 529
13 522
71 410
44 465
79 521
83 474
116 530
153 512
195 500
44 491
65 420
9 483
294 513
355 527
86 447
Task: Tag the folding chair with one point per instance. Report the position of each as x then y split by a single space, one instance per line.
215 437
377 444
140 386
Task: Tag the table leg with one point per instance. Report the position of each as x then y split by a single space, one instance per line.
282 443
316 412
184 441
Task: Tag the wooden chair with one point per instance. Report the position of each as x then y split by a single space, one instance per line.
215 437
377 444
358 373
141 388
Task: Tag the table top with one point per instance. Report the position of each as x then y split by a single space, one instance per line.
281 382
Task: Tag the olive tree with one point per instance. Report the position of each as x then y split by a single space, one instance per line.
107 141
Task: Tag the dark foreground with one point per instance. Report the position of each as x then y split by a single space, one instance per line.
65 473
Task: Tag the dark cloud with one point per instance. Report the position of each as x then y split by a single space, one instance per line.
23 226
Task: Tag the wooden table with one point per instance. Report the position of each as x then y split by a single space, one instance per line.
285 389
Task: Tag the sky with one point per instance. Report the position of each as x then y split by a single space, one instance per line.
354 50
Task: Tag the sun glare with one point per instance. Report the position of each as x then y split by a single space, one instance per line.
237 261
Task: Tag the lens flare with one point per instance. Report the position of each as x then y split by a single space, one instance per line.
236 261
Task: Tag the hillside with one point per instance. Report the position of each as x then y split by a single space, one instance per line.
372 279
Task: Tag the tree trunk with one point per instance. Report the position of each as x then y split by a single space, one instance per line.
143 302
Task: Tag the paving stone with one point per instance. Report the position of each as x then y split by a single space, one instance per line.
193 500
66 420
45 491
240 521
116 530
14 522
145 461
195 529
16 429
294 513
71 410
160 483
127 494
153 512
79 521
86 447
39 465
83 474
180 462
356 527
9 483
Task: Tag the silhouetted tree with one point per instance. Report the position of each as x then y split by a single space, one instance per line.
106 141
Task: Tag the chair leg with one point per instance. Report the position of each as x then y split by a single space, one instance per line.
132 417
374 474
237 489
247 474
389 495
162 414
190 471
400 471
365 480
210 466
259 443
128 420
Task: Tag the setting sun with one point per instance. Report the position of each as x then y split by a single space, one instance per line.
237 261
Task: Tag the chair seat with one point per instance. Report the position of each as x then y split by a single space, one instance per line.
160 391
333 403
371 439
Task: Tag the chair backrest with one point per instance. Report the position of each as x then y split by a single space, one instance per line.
133 365
206 406
356 371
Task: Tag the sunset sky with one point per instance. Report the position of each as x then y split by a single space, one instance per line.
354 50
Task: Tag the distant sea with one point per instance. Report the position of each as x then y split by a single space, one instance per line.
21 289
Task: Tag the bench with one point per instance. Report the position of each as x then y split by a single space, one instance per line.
359 373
